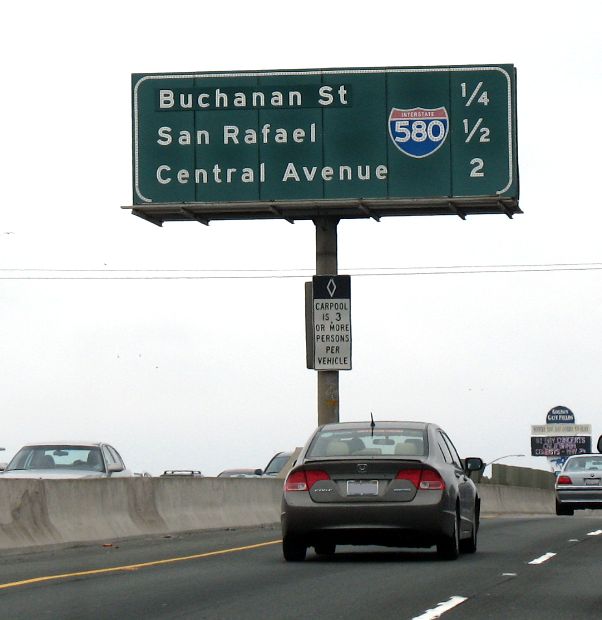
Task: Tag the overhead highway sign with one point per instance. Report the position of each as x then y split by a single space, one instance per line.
364 142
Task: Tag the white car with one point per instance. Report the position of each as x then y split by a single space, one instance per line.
81 459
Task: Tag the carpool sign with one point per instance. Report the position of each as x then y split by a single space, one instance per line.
362 142
331 320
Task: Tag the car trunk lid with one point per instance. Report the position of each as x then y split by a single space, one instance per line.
363 480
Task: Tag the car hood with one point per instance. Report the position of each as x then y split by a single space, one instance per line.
48 474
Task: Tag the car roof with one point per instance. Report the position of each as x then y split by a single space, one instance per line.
85 444
377 424
586 454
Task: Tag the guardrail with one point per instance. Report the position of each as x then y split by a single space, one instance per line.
38 513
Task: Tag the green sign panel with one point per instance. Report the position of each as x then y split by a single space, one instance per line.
426 136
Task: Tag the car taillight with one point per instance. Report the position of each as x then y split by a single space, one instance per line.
431 480
425 479
564 480
296 481
315 475
412 475
304 480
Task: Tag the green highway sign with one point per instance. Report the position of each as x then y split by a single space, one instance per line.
356 142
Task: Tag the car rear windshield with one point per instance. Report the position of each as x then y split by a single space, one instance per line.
58 457
585 463
386 442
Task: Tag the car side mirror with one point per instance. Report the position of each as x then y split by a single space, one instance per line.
600 443
258 472
3 466
113 468
473 463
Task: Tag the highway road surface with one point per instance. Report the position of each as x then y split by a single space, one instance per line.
526 568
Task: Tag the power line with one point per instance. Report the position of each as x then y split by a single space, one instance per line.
307 269
240 274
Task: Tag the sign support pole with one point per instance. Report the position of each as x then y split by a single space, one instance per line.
327 265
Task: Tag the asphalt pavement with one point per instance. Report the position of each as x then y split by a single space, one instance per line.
525 568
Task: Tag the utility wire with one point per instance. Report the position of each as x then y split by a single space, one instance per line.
239 274
280 270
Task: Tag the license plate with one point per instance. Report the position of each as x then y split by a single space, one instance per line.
362 487
592 482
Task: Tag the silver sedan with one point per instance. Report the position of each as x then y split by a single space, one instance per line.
579 484
80 459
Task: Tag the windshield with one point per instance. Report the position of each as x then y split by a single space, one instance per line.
276 464
88 458
585 463
399 442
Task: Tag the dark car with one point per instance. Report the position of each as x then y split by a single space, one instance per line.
182 473
277 463
397 484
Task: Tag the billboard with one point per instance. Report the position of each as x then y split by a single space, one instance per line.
358 142
560 446
560 415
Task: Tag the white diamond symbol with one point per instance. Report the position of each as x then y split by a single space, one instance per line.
331 287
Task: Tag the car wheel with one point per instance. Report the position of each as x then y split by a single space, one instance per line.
325 549
469 545
293 549
564 511
448 547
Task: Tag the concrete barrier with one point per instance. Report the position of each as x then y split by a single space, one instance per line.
501 499
517 490
38 513
509 475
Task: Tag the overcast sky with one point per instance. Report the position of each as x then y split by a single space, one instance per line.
209 373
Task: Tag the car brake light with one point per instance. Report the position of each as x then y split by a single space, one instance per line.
425 479
304 480
412 475
315 475
564 480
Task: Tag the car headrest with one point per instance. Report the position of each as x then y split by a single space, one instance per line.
337 448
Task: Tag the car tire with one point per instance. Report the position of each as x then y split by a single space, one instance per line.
325 549
448 547
564 511
293 549
469 545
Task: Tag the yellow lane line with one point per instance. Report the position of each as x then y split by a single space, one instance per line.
131 567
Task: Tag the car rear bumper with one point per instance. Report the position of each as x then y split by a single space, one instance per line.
579 497
420 523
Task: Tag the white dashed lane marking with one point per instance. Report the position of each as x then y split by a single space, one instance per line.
543 558
454 601
441 608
